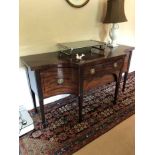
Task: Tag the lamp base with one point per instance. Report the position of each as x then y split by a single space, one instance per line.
113 33
112 45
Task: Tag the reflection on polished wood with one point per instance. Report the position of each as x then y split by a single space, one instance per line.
51 76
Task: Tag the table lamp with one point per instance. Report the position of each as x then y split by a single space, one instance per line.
114 15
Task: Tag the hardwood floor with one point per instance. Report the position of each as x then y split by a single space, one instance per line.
118 141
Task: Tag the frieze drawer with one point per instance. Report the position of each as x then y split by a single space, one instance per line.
103 68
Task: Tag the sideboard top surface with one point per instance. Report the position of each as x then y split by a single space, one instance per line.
39 61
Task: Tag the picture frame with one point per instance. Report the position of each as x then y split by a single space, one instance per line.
77 3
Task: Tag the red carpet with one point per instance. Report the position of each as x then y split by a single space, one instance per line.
64 135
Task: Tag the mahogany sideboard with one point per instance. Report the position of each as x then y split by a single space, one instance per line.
51 74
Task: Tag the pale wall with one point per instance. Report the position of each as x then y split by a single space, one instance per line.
43 23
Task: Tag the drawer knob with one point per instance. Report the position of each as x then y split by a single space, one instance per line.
115 64
60 81
92 71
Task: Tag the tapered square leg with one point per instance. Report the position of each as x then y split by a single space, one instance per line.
124 81
116 92
34 101
44 123
80 100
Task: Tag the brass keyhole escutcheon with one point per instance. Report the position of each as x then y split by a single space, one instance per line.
115 64
60 81
92 71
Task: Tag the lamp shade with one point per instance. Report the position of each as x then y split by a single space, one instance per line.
115 12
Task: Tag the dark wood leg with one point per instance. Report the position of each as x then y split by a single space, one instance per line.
124 81
80 100
80 94
40 95
42 113
126 73
116 92
34 100
117 88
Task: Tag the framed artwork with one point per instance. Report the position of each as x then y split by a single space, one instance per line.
77 3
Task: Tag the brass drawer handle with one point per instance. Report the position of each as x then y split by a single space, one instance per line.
92 71
115 64
60 81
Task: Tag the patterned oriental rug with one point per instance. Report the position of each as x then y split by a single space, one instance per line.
64 135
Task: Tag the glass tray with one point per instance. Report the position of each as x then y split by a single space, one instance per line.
68 47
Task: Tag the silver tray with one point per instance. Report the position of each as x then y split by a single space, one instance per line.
69 47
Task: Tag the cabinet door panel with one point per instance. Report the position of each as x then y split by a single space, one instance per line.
59 80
